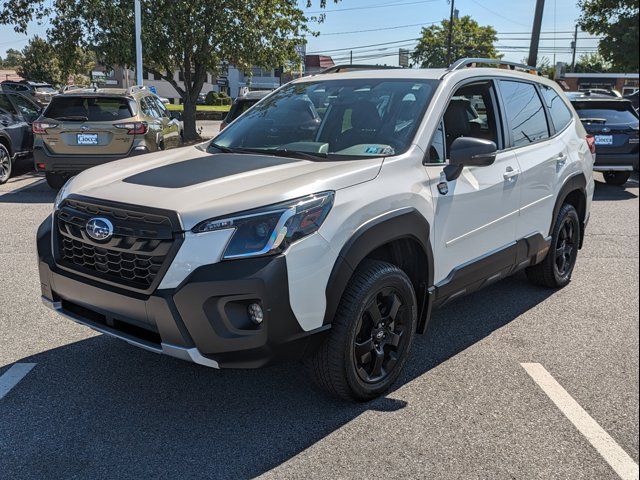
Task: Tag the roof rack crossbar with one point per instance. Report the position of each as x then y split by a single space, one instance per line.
468 62
135 88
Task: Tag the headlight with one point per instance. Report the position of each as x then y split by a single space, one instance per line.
271 229
62 194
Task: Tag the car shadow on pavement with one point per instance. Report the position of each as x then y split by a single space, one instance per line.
607 192
99 408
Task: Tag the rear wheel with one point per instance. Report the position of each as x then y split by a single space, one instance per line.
616 178
6 165
556 269
56 180
371 334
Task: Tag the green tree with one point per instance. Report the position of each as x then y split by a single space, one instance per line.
592 63
617 22
469 39
39 62
13 58
195 37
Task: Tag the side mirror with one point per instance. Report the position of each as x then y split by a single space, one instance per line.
175 115
469 152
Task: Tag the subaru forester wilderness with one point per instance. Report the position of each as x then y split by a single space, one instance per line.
87 127
327 221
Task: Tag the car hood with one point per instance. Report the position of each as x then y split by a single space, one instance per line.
201 185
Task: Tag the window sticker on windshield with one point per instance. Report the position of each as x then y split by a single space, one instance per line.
379 150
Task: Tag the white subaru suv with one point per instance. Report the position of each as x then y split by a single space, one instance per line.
327 221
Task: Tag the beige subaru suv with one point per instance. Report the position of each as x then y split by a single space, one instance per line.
89 127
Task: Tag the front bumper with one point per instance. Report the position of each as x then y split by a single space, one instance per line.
616 162
72 164
203 320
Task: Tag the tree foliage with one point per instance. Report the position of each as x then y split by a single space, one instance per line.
469 39
39 62
592 63
617 22
194 37
12 60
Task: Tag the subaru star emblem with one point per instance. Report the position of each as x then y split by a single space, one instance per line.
99 228
84 128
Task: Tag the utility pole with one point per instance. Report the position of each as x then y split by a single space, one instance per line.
138 28
574 46
535 33
450 38
351 57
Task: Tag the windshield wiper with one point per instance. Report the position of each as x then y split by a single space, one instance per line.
283 152
594 120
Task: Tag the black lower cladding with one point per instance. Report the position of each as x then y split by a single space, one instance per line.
209 310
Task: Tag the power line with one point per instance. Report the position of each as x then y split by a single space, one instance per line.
378 29
364 46
498 14
378 5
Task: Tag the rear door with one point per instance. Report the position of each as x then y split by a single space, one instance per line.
13 124
28 113
170 127
89 125
540 157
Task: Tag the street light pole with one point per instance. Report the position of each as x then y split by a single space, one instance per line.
138 30
449 39
535 33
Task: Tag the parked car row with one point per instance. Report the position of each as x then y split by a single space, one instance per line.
83 128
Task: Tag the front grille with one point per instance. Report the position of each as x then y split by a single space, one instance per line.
135 256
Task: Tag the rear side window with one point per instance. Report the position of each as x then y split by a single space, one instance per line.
610 113
5 105
92 109
527 120
560 114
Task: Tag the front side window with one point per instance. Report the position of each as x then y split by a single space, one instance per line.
471 113
560 113
527 120
360 117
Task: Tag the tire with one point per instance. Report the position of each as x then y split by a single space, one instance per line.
6 164
556 269
55 180
616 178
359 360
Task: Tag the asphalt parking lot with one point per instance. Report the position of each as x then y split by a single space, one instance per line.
94 407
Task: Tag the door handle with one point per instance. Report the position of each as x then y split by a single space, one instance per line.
511 173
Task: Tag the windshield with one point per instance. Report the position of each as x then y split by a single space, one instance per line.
333 118
612 114
93 109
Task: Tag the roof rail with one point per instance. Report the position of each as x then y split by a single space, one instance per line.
351 67
471 62
135 88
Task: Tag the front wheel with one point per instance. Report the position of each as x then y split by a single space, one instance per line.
556 269
6 164
616 178
371 334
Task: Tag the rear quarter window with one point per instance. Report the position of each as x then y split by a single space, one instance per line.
92 109
560 114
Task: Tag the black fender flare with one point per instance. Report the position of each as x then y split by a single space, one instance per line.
399 224
6 141
578 182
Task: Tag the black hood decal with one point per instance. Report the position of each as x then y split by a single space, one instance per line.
204 169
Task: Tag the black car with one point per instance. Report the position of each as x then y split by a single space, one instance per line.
17 113
614 124
242 104
39 92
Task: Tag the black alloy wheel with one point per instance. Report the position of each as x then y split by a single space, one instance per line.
5 164
566 247
380 335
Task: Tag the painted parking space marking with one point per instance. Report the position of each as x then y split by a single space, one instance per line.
606 446
12 377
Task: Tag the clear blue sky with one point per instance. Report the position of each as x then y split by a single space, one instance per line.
379 19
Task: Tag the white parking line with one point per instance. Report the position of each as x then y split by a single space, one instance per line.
11 377
615 456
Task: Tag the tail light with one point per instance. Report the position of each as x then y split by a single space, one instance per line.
133 128
41 127
223 125
591 141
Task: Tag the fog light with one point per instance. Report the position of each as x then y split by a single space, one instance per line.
255 313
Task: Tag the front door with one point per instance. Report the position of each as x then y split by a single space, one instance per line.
476 214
